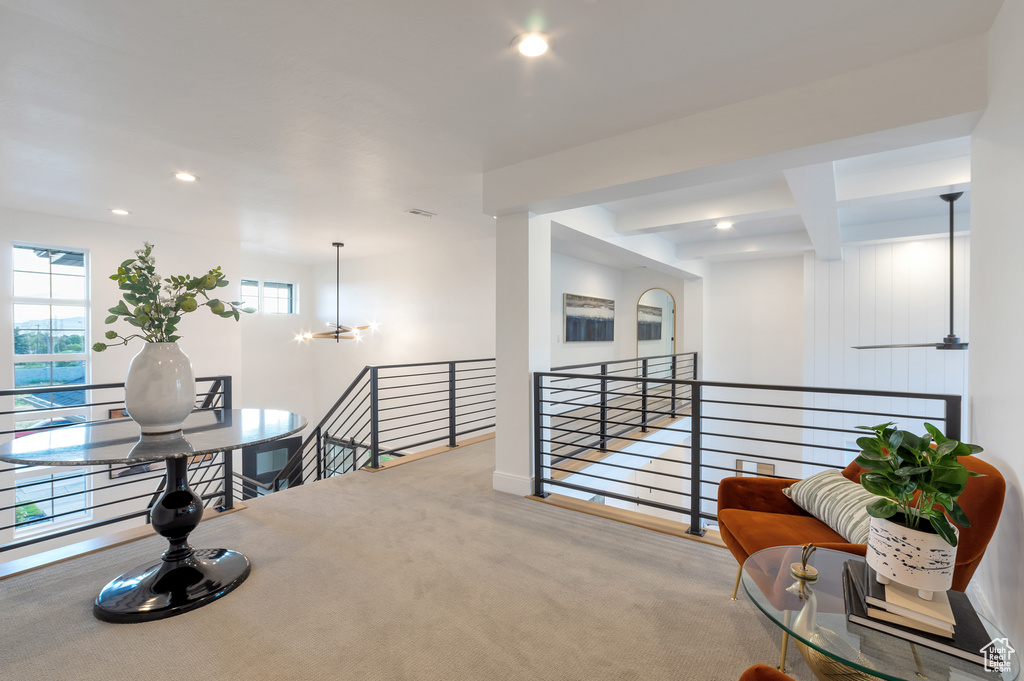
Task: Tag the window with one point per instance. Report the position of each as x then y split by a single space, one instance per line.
48 499
249 294
277 298
50 333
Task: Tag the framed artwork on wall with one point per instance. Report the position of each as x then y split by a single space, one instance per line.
648 322
588 319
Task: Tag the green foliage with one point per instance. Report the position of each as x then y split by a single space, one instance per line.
918 476
155 306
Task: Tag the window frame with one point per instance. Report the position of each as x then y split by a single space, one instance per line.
293 307
52 358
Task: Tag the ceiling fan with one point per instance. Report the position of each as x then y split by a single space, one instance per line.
952 341
340 332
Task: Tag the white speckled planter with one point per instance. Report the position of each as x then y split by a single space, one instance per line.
920 560
160 389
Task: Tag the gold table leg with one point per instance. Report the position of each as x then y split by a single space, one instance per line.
735 587
785 643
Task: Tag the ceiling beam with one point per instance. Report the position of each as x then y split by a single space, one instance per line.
814 190
731 249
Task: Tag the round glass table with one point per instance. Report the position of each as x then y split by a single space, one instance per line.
185 578
836 648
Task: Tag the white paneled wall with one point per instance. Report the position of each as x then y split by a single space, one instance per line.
880 294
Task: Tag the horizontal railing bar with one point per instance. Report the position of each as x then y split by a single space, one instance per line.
615 480
427 364
769 387
403 397
601 462
829 411
620 361
615 495
443 400
801 426
418 413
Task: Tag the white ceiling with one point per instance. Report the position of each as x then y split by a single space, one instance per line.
324 120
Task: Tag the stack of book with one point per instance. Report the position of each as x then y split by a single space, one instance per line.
947 623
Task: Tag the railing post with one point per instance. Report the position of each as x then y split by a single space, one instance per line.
451 404
229 481
374 425
319 454
538 440
674 386
953 416
695 464
604 408
643 402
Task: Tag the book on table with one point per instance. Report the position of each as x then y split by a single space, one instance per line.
874 595
969 635
903 601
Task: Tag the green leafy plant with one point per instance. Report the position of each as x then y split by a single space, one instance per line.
155 306
918 476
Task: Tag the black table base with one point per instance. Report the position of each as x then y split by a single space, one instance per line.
186 578
153 592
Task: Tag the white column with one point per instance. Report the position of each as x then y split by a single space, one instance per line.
523 342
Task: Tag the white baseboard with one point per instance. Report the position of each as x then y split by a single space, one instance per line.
512 484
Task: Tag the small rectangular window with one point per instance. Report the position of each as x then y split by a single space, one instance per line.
278 298
249 294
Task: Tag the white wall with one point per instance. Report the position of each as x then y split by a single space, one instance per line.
886 293
431 305
573 275
278 370
997 290
753 326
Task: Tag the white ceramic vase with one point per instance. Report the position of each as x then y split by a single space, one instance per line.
160 389
920 560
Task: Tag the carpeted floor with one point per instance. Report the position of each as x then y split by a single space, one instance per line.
418 572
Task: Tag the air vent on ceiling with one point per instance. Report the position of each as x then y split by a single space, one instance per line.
421 213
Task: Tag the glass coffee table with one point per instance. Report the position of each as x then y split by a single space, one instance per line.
184 578
839 648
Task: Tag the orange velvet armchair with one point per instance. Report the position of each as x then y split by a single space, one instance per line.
754 514
762 672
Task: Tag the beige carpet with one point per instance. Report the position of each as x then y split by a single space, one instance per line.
418 572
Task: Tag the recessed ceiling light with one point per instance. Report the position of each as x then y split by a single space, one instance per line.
186 177
723 225
531 44
120 211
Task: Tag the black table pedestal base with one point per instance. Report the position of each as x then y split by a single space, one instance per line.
186 578
169 588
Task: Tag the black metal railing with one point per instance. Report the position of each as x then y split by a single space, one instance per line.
706 431
38 505
388 412
600 416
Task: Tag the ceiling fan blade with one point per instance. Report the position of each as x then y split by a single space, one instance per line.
897 345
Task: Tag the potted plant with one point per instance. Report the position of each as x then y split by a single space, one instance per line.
918 479
160 386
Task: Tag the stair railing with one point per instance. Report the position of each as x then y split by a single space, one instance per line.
388 412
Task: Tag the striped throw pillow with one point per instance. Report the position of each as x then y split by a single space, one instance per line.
837 502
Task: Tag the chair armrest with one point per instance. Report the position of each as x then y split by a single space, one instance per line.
757 494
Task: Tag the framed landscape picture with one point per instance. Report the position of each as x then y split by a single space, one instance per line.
588 319
648 322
